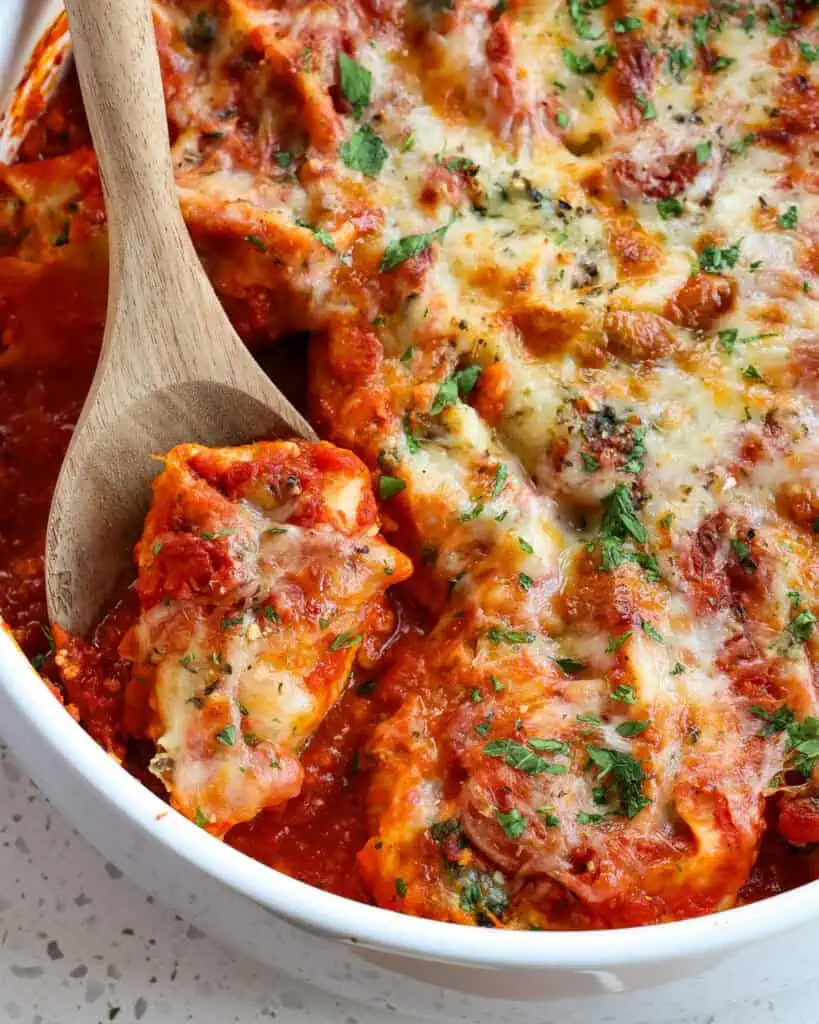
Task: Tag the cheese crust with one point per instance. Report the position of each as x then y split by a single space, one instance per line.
261 575
559 262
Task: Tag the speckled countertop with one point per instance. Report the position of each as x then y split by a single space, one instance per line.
79 944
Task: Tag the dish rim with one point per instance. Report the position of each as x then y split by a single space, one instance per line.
338 917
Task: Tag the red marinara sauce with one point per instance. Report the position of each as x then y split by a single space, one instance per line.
48 351
51 323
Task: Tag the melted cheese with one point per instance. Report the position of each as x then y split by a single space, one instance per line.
611 214
245 666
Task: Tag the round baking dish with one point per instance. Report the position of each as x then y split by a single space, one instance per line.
249 905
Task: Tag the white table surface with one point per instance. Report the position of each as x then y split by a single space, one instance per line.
79 944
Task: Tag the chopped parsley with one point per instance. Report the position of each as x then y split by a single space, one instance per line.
801 626
346 640
569 665
634 459
616 642
227 736
789 219
620 523
200 819
482 895
389 486
499 634
400 887
364 151
679 60
625 694
803 740
702 152
670 208
553 746
627 24
321 235
651 632
501 473
620 518
579 64
403 249
356 83
700 29
526 582
743 552
413 444
721 63
809 53
460 384
441 830
472 512
646 106
527 547
462 164
775 721
741 145
632 728
624 777
714 260
39 660
512 822
579 14
777 27
523 758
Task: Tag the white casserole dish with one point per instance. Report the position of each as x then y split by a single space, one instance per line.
246 904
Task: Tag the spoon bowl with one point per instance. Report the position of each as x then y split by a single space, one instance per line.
107 487
171 368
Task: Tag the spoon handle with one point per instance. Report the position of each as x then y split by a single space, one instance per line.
164 324
121 84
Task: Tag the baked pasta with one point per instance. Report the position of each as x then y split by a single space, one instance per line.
261 573
558 263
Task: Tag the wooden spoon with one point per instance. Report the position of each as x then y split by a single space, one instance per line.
172 369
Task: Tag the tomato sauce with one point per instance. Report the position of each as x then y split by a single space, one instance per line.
316 836
43 383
